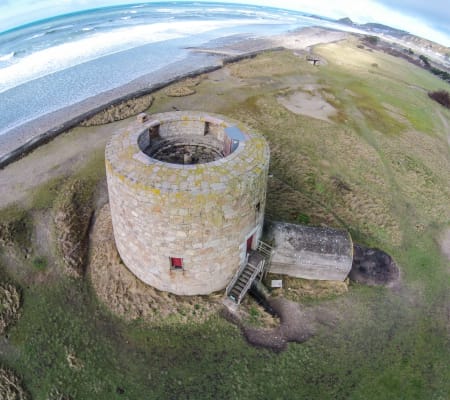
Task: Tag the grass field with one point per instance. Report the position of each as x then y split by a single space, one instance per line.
379 169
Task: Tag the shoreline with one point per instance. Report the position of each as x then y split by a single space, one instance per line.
31 140
22 140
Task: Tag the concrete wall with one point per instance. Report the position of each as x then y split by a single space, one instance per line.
310 252
202 213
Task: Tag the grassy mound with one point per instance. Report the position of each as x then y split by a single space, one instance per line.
73 209
180 91
127 296
183 88
14 224
9 306
120 111
11 386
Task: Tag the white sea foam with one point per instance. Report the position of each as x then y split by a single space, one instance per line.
168 10
37 35
68 54
7 57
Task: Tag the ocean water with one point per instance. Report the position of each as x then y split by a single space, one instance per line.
54 63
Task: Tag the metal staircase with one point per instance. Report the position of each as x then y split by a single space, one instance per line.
242 281
252 269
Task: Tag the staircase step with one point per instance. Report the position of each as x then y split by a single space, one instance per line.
247 275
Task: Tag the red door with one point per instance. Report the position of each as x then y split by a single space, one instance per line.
249 243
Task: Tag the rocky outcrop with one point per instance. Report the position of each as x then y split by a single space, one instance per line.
372 266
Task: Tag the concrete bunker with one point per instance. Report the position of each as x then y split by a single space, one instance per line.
308 252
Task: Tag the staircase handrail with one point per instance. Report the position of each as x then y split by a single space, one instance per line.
267 251
265 248
235 278
255 273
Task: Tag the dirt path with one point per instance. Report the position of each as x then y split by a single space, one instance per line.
60 157
445 243
445 238
446 125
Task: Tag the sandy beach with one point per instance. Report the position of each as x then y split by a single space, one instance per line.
30 135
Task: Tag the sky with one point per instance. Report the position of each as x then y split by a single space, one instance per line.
426 18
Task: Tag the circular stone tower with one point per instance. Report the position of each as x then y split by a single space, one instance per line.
187 192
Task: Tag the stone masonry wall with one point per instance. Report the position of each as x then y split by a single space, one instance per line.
182 127
201 213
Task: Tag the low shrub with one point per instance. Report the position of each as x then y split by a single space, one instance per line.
441 96
40 263
373 40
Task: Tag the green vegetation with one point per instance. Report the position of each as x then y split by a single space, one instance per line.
303 219
45 194
444 75
15 227
40 262
373 40
425 60
379 169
